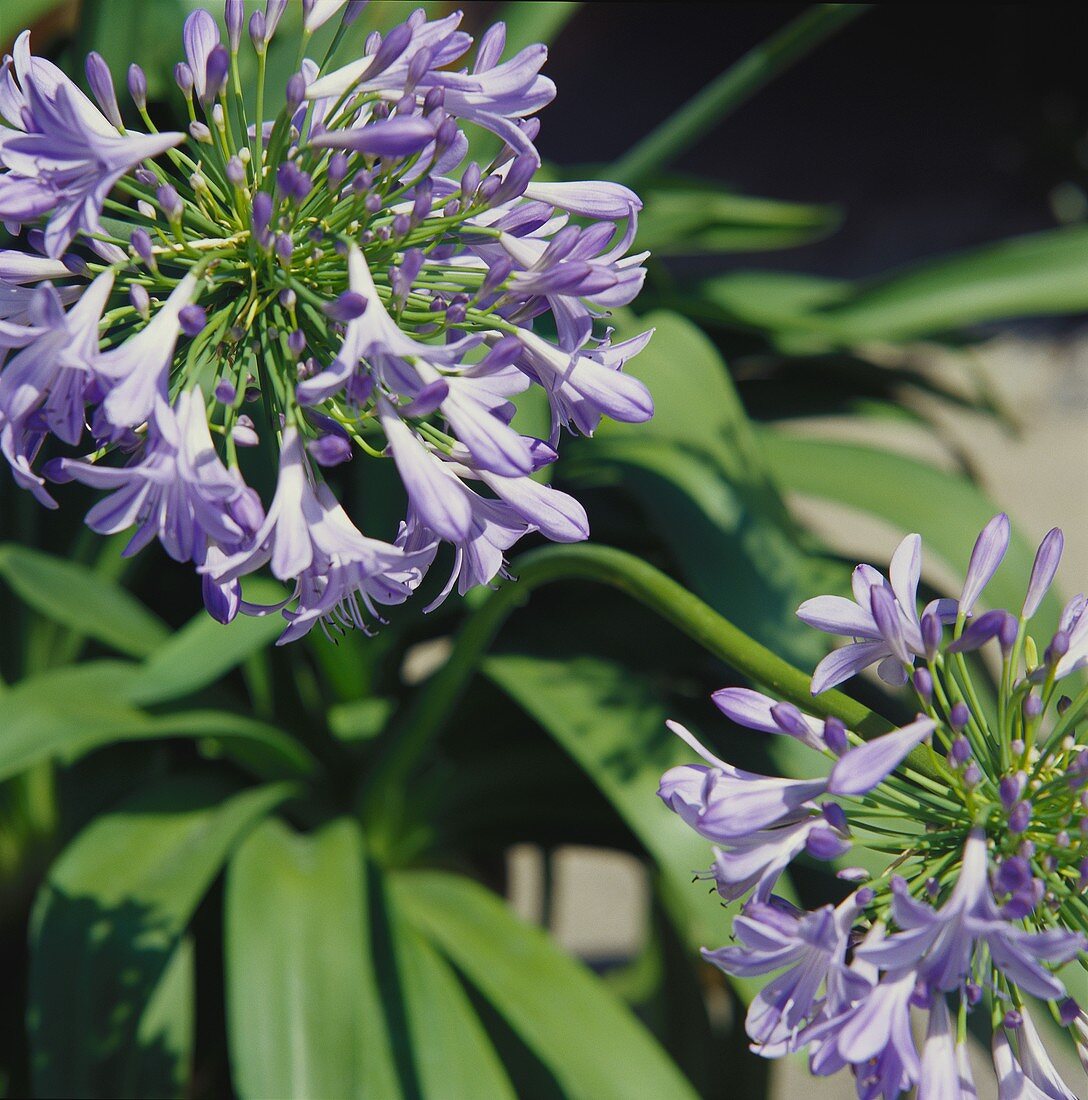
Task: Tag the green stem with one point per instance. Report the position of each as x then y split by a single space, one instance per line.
736 85
416 728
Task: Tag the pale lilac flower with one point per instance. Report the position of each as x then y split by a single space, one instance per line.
68 157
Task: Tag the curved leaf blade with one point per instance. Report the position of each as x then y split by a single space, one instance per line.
106 928
303 1005
77 597
589 1041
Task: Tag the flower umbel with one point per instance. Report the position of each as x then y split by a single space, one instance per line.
975 818
294 291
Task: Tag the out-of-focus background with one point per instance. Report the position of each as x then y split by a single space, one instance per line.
902 359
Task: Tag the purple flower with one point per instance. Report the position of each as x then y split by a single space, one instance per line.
774 935
67 158
179 491
1032 1076
945 1072
136 372
940 943
756 711
883 615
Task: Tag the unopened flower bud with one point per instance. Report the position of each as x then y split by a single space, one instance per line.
192 319
137 86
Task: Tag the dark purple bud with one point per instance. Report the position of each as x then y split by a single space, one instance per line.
1047 558
979 632
933 888
296 342
262 216
835 816
330 450
960 752
1019 817
1006 636
1058 648
100 80
789 719
234 16
215 78
337 170
433 100
972 776
140 300
401 224
470 180
1068 1011
518 177
141 245
288 298
823 843
446 135
225 392
959 716
1011 788
293 182
256 31
296 92
1033 707
421 205
864 897
169 201
183 77
1064 703
931 634
284 247
923 684
419 65
148 179
973 992
192 320
346 307
236 171
1012 1020
497 274
137 86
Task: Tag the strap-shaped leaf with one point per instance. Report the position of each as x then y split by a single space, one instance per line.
613 725
108 1000
79 598
70 711
945 507
203 650
589 1041
304 1010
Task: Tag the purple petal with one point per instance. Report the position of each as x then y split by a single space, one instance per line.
843 663
989 549
1042 572
838 615
861 769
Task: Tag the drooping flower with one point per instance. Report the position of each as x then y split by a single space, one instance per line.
339 278
983 833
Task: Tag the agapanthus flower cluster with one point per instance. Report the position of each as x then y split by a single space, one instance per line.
339 279
970 898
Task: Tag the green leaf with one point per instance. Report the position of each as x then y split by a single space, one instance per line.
78 598
591 1043
70 711
1041 275
305 1014
682 218
698 472
530 22
203 650
613 725
451 1050
946 509
108 1006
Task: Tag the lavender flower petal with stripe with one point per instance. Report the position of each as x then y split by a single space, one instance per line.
967 908
335 281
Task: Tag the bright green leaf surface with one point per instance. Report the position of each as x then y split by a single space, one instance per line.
78 598
304 1010
591 1043
106 929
